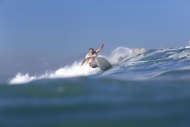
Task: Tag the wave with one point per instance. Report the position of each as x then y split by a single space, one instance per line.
130 64
75 69
179 73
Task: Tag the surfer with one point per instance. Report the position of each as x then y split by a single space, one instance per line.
91 57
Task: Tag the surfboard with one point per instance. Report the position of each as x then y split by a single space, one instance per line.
103 63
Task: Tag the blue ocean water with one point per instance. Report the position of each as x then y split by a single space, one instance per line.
150 89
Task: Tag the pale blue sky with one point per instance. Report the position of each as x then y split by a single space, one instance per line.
45 34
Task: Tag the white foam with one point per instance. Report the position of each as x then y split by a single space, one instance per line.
20 78
188 45
122 53
73 70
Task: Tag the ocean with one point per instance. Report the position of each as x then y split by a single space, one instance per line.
150 89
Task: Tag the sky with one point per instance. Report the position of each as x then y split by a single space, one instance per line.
37 35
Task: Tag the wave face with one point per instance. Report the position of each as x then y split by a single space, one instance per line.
128 64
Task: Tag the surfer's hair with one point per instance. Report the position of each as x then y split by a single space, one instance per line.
91 49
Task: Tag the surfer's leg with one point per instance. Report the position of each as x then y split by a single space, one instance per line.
91 64
95 64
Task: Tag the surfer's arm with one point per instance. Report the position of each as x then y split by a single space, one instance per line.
98 50
83 61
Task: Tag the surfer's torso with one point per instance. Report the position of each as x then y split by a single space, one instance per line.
91 57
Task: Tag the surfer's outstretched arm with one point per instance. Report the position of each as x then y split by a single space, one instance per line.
98 50
83 61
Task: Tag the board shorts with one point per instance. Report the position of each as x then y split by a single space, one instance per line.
94 64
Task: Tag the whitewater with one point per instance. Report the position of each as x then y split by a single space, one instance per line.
128 64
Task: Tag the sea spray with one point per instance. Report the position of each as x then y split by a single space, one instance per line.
73 70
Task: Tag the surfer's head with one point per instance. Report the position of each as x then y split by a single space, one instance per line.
91 50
